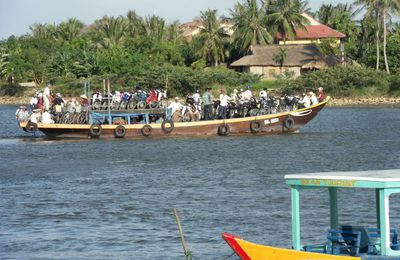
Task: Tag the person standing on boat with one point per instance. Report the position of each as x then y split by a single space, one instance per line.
208 102
247 95
263 94
47 98
223 98
321 94
234 96
84 101
196 97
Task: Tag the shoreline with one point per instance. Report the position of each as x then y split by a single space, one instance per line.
334 102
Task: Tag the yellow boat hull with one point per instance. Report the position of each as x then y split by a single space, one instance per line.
251 251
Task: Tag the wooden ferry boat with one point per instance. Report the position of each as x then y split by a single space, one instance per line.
344 242
279 123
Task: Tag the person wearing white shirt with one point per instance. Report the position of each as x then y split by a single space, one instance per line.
234 96
247 95
35 116
305 101
196 97
223 98
313 98
263 94
46 118
46 97
175 109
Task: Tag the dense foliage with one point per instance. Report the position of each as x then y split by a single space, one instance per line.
347 81
146 51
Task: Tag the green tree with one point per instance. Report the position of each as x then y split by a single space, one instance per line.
250 28
212 38
43 31
285 16
4 63
280 58
111 31
69 30
135 25
155 26
381 10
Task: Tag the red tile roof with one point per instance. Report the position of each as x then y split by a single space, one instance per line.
315 32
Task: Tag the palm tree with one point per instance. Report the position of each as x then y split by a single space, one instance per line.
4 63
173 33
135 24
211 38
154 26
111 31
373 13
43 31
69 30
388 6
280 58
381 10
285 16
249 27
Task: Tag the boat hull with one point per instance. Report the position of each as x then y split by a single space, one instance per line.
251 251
261 125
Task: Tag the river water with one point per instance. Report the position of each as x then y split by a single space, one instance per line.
95 199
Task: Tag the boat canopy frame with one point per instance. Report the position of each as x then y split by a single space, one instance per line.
385 183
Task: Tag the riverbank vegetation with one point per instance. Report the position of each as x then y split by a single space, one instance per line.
149 52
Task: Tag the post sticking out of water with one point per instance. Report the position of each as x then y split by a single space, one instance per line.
185 248
109 107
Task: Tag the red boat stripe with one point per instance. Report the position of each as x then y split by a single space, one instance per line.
230 239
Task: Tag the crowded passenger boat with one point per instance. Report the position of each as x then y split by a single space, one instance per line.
150 110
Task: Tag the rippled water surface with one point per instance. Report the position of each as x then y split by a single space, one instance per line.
94 199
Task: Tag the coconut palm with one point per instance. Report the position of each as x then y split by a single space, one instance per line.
372 12
4 63
135 24
69 30
111 31
285 16
154 26
381 10
43 31
250 29
211 38
173 33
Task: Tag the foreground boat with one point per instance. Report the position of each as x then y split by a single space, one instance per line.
343 242
286 122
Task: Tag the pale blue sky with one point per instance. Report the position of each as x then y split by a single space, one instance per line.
17 15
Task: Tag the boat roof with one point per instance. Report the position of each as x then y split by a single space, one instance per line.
351 179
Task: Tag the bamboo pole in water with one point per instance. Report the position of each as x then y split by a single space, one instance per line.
185 248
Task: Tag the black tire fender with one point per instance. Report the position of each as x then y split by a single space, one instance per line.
146 130
120 131
288 123
31 127
95 130
255 127
223 130
166 129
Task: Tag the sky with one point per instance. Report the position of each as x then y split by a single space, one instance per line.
17 15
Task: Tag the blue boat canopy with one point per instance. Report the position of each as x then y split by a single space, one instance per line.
384 183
